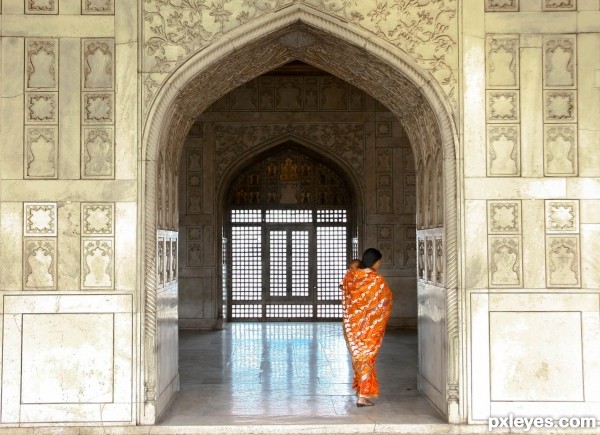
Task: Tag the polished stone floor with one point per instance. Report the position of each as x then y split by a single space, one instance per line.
291 373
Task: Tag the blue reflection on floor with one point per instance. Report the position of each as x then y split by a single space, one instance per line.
265 373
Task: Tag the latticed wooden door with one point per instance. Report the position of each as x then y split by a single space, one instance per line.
288 241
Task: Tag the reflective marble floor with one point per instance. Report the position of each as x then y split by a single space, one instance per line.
291 373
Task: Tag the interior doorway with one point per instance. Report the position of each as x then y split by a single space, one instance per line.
399 84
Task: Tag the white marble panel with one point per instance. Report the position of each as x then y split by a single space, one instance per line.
583 188
520 188
590 211
125 238
69 246
58 382
563 261
562 216
532 133
475 251
69 155
544 302
533 353
533 245
66 190
11 243
479 361
78 348
11 153
590 246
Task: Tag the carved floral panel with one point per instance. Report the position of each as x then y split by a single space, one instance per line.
562 216
502 61
504 217
97 219
410 253
501 5
41 152
194 201
39 268
387 252
439 261
560 61
502 106
41 7
560 106
97 108
563 261
420 259
98 152
97 69
41 64
41 107
425 31
97 263
504 150
560 150
97 7
195 254
40 219
559 5
505 268
429 259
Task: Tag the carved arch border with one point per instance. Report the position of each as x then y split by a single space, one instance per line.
426 109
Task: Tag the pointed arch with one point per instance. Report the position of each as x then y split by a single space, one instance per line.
301 33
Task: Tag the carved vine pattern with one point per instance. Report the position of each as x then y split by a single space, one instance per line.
34 48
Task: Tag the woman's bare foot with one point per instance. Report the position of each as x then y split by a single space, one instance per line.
363 401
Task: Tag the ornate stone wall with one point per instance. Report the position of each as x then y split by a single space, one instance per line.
328 116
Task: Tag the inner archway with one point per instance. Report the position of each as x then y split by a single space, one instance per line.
299 34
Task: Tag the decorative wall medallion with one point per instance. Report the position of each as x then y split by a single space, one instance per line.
194 160
385 232
194 203
562 216
560 150
194 180
97 7
384 180
98 63
505 261
97 263
245 97
410 253
194 233
502 5
41 152
334 94
559 5
41 107
502 106
288 93
410 180
504 217
97 108
39 268
98 152
194 254
387 252
502 61
97 219
41 64
559 61
562 261
39 219
560 106
384 201
383 129
503 150
410 200
41 6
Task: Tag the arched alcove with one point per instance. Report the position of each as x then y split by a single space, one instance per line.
380 70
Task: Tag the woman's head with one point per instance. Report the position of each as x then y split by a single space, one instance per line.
371 258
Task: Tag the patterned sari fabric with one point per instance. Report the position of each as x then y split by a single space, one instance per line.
366 304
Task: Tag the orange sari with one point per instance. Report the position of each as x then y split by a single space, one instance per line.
366 307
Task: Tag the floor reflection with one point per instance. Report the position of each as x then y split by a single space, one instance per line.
265 373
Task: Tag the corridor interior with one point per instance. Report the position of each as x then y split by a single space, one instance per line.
291 373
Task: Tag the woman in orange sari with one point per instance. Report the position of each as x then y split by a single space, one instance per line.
366 307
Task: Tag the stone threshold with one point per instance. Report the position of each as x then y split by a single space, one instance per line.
288 429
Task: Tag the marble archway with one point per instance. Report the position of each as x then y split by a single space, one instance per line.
383 72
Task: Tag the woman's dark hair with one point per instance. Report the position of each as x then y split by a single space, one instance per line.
370 257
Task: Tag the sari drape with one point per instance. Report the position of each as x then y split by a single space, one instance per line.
366 307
